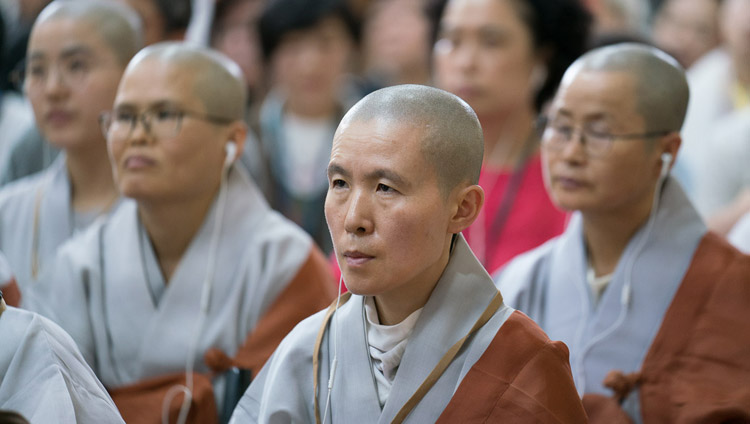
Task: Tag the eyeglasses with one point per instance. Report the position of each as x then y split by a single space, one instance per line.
160 123
597 143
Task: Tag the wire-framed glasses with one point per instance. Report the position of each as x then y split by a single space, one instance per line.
557 135
160 123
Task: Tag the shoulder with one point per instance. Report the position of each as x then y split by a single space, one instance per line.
532 382
18 191
299 343
524 271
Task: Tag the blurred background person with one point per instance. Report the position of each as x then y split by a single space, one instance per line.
308 48
619 17
687 29
235 33
29 152
719 100
78 50
163 20
396 43
505 58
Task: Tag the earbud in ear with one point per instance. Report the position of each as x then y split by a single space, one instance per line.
666 160
231 153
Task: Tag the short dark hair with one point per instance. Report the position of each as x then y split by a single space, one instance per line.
176 14
281 17
559 28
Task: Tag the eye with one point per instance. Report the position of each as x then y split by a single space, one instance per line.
564 130
166 114
124 116
385 189
77 65
338 183
36 71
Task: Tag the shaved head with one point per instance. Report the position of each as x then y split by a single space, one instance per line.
661 87
218 81
452 137
117 24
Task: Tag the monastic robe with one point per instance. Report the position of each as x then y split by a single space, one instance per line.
36 217
628 336
8 285
106 284
44 377
507 370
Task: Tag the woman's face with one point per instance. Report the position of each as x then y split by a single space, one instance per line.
485 54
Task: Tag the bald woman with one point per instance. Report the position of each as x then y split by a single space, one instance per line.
653 308
425 336
196 272
77 52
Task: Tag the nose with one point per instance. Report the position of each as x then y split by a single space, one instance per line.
358 219
466 56
141 130
575 149
54 83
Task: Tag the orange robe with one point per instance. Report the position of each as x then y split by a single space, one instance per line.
697 369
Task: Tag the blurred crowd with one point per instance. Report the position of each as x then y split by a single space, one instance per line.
262 125
306 62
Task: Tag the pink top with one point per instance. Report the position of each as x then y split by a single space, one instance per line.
532 219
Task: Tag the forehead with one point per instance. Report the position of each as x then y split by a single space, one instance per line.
479 13
379 143
59 35
156 81
610 94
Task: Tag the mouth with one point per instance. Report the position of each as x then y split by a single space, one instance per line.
568 183
136 162
355 258
467 91
58 117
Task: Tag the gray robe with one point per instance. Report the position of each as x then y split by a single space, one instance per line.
44 377
549 284
102 290
283 392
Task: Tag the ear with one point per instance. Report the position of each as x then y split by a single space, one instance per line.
670 144
468 201
237 133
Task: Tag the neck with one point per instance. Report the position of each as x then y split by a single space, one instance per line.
91 181
607 235
171 226
417 74
320 110
505 137
395 306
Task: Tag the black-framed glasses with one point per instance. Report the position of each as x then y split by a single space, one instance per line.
160 123
557 136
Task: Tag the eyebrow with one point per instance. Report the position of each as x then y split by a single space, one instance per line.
376 174
67 53
155 105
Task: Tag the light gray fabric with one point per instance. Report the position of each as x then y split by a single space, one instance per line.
44 377
740 234
26 154
98 291
18 204
283 391
549 284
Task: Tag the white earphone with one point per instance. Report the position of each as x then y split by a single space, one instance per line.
666 160
231 153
